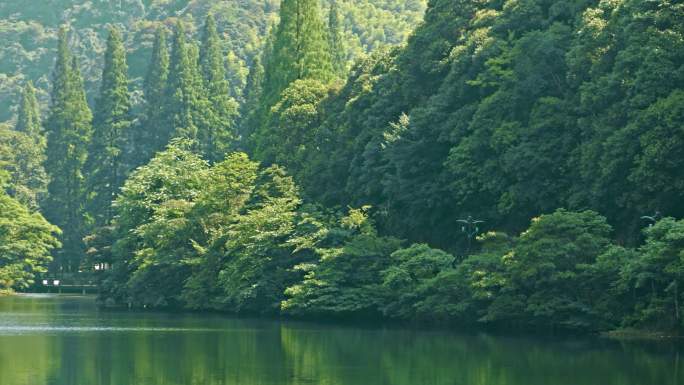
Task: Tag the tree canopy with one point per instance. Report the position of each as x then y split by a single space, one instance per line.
26 240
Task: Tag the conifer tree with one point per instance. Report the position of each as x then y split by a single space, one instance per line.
267 50
335 41
217 133
153 134
29 180
28 121
255 108
211 61
249 113
182 108
68 133
107 166
199 106
60 78
237 76
178 78
300 50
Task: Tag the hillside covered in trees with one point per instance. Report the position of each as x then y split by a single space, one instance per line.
29 34
514 163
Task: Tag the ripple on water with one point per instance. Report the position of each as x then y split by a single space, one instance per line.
41 329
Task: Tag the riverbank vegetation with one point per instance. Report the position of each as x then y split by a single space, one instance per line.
499 169
26 240
238 237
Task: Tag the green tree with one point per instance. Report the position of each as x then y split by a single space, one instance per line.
107 165
153 134
68 130
249 111
26 53
613 298
259 254
629 94
266 56
28 120
337 50
23 152
224 237
219 132
545 272
347 138
658 171
23 157
655 278
300 48
230 186
423 283
289 135
347 278
410 269
184 107
26 240
151 239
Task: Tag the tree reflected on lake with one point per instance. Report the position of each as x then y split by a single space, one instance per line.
67 341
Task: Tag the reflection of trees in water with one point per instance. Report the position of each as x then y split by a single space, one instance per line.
194 356
28 362
27 359
209 350
350 356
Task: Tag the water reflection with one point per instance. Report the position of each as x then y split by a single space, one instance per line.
67 341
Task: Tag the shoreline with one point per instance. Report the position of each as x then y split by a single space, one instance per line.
624 334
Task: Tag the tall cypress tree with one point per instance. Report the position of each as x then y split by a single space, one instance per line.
255 108
249 112
153 134
184 88
269 43
29 113
68 133
300 50
335 41
217 134
29 180
107 166
200 107
60 81
211 61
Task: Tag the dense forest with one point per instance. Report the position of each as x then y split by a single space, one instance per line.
511 164
29 34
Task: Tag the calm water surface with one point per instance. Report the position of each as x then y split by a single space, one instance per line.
49 340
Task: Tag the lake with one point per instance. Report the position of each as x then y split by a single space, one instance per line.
60 340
